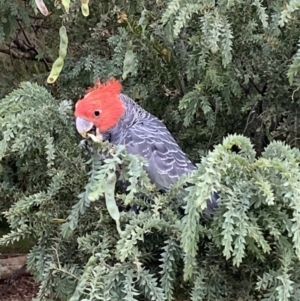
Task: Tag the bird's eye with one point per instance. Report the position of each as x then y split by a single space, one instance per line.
97 113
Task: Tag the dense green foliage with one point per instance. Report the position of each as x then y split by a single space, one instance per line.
207 69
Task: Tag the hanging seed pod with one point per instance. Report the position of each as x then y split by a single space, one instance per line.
143 21
110 200
55 71
66 5
129 61
63 46
59 63
85 7
42 7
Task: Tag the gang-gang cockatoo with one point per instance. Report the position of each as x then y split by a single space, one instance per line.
122 121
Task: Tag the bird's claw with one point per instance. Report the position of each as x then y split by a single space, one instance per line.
84 144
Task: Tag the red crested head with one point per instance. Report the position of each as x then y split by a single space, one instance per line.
100 107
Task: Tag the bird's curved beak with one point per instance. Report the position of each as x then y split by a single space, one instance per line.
83 126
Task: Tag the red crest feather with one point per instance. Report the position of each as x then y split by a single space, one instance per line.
112 86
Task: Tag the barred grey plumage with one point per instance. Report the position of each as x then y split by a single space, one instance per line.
144 134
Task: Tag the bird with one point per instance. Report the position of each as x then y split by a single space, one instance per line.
121 121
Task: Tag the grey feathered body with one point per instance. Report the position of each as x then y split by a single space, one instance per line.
144 134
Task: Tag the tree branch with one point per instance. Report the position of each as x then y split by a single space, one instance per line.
18 55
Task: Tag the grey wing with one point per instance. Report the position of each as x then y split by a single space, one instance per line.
166 161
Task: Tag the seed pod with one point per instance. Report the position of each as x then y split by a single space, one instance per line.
42 7
58 64
63 46
143 21
96 138
55 71
85 8
110 200
128 63
66 5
